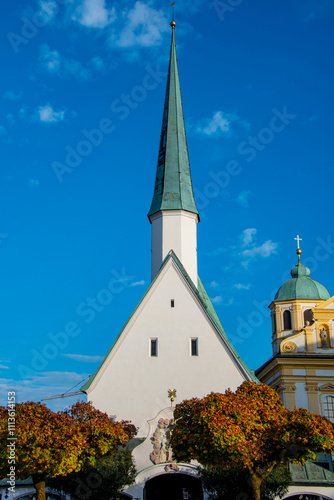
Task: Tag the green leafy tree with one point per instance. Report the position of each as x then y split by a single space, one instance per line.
228 484
53 444
249 429
104 480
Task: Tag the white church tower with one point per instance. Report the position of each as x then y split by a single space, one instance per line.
173 339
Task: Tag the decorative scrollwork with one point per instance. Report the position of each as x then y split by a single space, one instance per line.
289 347
290 388
312 388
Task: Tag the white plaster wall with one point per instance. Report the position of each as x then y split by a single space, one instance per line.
298 339
308 305
132 385
301 395
324 373
175 230
299 372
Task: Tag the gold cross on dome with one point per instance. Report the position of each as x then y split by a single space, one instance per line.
298 240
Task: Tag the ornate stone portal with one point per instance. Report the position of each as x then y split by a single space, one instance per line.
153 457
162 451
156 449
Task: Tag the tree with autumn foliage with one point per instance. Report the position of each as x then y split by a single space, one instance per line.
249 430
103 481
222 484
50 444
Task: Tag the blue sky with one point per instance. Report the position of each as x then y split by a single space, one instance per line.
81 106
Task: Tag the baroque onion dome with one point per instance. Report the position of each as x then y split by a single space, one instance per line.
301 286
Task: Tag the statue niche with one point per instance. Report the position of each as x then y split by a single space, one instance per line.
324 340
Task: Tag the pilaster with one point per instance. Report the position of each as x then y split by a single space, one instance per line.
313 398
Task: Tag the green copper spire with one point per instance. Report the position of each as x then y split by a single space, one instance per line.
173 187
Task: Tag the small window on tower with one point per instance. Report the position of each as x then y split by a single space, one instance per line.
308 317
287 320
172 303
154 348
273 319
194 347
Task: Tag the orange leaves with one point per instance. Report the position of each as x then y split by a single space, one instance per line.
247 429
55 444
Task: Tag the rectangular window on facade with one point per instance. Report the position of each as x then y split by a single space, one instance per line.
194 347
154 347
172 303
329 408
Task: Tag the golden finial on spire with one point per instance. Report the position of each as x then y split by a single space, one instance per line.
172 395
173 23
298 239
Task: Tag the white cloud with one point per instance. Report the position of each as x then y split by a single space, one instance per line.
242 198
50 59
53 62
48 10
98 64
94 14
11 94
4 367
217 300
84 358
247 235
23 111
218 123
43 385
138 283
240 286
47 114
221 123
144 27
265 250
214 284
255 250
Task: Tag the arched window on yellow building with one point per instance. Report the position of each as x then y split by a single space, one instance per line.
329 408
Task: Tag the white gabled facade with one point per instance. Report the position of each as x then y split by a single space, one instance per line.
133 384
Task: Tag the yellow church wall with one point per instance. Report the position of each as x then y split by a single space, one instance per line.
300 381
